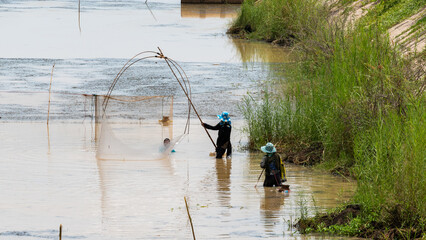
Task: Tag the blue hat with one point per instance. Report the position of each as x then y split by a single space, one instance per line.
268 148
224 117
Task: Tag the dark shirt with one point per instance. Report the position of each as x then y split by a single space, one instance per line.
271 163
224 135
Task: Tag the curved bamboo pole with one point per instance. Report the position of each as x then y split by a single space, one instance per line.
190 101
174 67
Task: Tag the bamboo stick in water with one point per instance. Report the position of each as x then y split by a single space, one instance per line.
190 219
60 231
50 88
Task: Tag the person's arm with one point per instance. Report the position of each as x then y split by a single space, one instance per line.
263 163
217 127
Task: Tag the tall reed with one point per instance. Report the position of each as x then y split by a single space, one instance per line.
390 166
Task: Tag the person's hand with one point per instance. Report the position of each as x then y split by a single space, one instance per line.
202 124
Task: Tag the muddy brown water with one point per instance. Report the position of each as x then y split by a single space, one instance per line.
48 180
52 176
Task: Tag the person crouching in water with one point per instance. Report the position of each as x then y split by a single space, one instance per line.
166 145
271 162
223 142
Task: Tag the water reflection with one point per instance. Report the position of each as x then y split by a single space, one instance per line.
176 28
208 10
129 201
270 208
223 171
249 51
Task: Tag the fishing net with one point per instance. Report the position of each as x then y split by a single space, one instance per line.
134 128
19 106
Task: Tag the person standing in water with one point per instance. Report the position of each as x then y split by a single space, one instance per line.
273 166
223 142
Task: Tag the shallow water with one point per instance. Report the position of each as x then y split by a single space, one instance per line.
116 29
51 176
58 180
26 83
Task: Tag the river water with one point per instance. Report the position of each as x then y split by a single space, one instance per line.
51 175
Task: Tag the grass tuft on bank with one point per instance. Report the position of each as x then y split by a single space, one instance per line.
352 103
282 21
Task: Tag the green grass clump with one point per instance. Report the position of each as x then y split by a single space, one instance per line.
277 120
286 21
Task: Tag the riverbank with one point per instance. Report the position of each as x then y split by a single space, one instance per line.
353 104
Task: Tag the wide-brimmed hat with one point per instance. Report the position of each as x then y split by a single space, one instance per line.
268 148
224 117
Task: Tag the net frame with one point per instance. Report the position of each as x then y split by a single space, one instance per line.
181 78
183 82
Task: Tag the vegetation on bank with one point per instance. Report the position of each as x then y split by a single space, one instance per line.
351 103
283 21
390 12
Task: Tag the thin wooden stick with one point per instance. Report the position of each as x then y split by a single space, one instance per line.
150 10
60 231
259 178
79 26
48 140
50 88
190 219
